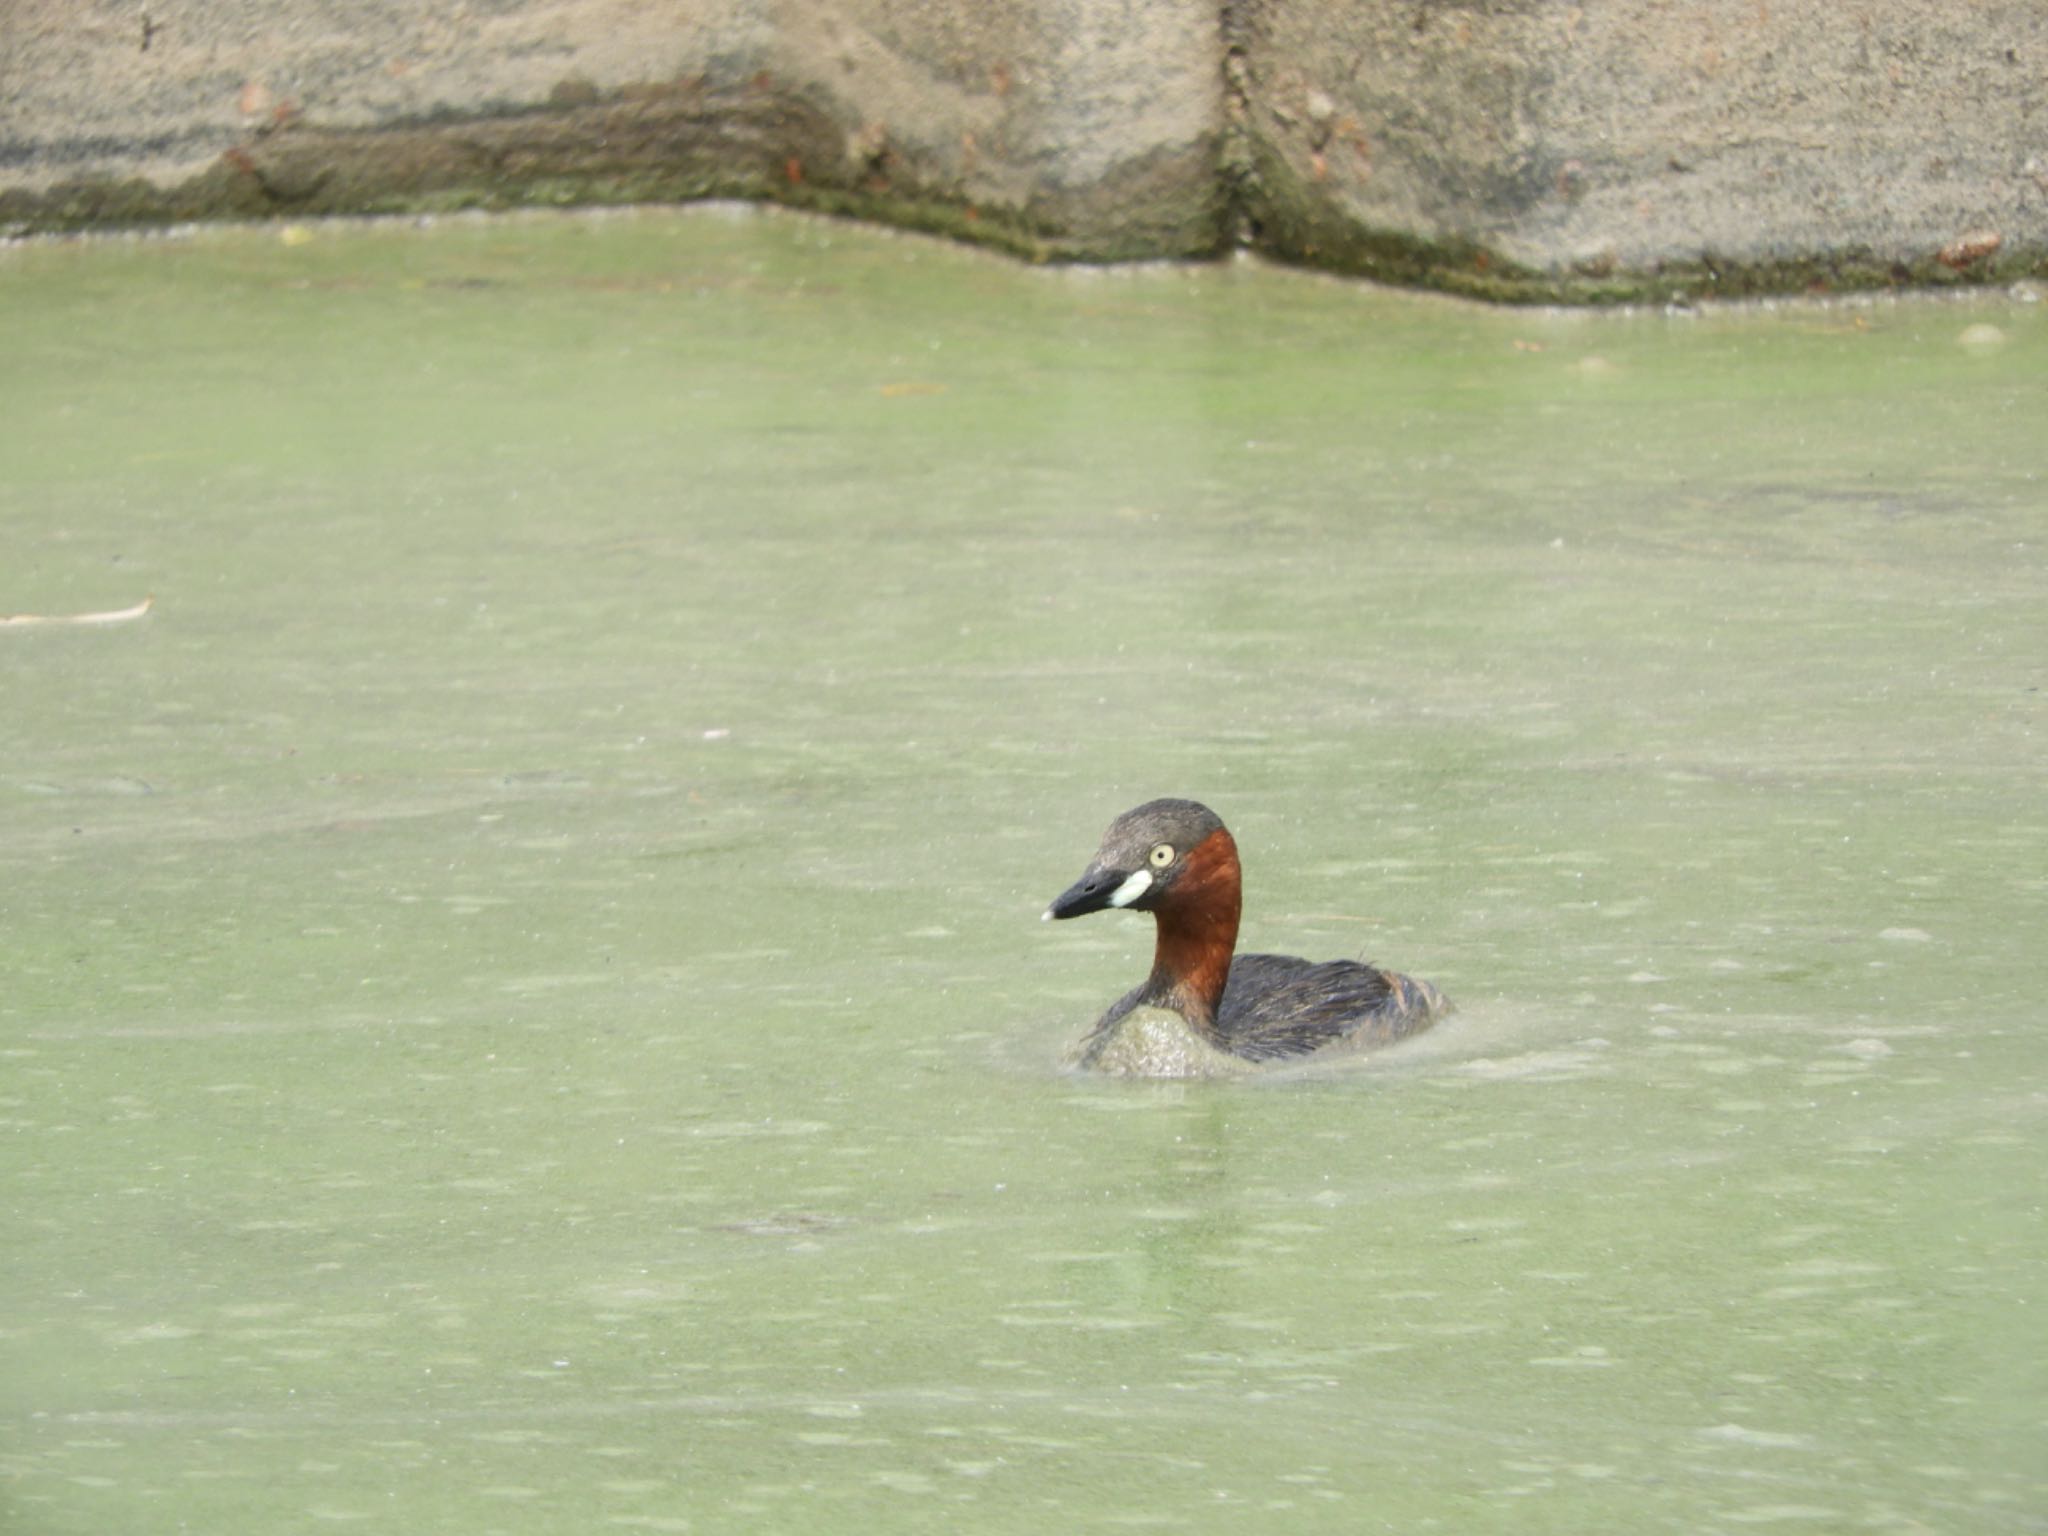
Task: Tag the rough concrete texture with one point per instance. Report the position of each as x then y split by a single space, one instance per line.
1058 127
1514 148
1640 148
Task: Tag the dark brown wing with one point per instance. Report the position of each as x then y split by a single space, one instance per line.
1276 1005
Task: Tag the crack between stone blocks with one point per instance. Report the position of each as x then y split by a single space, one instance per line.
1235 165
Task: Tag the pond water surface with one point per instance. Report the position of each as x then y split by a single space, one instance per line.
523 1004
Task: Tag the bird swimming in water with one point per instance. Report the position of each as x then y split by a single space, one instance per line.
1176 860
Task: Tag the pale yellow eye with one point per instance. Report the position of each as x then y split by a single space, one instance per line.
1162 856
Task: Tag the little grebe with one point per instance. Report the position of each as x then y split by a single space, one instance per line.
1176 860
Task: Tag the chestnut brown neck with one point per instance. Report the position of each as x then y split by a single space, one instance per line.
1198 932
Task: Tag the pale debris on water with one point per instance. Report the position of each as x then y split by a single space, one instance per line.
105 616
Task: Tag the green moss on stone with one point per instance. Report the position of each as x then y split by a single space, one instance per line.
1294 222
760 142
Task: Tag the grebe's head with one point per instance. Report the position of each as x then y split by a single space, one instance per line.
1143 856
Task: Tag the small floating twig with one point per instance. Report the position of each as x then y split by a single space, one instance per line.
110 616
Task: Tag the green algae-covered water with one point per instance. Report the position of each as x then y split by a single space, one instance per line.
522 1005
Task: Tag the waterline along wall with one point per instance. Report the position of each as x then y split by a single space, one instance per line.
1515 149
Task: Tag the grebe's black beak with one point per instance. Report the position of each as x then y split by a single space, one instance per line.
1100 888
1090 893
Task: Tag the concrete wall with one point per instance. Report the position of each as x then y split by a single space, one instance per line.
1515 148
1086 128
1713 145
